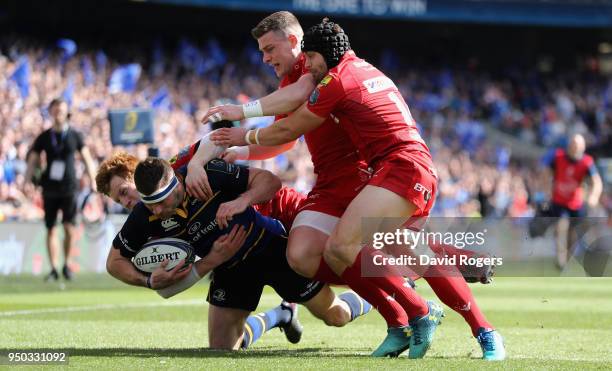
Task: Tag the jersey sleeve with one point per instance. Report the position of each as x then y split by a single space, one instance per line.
79 140
181 159
39 144
133 233
591 167
325 97
227 177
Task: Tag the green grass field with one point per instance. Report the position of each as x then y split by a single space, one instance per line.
548 323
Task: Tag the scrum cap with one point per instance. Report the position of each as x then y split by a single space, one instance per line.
328 39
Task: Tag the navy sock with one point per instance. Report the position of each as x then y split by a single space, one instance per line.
358 306
258 324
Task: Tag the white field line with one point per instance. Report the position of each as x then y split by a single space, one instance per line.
86 308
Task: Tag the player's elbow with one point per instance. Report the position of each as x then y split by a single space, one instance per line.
110 266
286 134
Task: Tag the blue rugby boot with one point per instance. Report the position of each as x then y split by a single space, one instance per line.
397 341
492 344
423 329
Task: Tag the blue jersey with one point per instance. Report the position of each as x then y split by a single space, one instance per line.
194 220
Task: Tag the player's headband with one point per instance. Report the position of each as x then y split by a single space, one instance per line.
161 194
328 39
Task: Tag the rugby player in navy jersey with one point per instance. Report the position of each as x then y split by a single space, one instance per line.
168 211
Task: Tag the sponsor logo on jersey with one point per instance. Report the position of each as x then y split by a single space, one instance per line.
378 84
325 80
202 231
336 120
194 228
169 224
314 96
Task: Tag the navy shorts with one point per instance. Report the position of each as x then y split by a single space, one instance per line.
241 286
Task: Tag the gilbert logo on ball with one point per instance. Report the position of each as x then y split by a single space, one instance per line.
154 252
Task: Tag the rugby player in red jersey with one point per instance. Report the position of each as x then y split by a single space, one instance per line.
367 105
570 168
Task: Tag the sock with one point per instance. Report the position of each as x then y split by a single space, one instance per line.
356 304
258 324
327 275
392 282
389 309
455 293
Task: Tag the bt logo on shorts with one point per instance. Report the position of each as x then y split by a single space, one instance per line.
219 295
421 189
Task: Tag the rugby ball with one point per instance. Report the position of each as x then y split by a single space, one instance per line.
152 253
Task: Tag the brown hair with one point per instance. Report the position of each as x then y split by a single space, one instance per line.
120 164
150 173
282 21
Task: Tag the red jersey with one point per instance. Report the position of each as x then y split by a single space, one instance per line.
568 178
369 107
331 150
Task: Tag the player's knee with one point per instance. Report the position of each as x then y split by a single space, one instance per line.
225 340
297 261
220 344
337 316
337 249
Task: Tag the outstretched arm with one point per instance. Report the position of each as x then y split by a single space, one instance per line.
282 131
279 102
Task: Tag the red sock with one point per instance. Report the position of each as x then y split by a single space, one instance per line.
325 274
391 310
392 282
452 289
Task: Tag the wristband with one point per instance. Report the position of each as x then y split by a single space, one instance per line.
252 109
247 137
242 153
149 282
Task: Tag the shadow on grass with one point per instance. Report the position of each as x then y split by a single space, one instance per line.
203 352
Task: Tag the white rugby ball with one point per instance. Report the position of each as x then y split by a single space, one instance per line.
152 253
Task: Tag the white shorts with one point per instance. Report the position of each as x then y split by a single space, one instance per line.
317 220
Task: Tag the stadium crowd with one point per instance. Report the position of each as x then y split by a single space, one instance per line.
451 105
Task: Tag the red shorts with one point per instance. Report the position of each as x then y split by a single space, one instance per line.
284 206
411 175
333 195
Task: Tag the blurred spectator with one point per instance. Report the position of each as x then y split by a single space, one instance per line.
59 180
452 105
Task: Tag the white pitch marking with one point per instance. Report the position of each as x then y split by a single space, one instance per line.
85 308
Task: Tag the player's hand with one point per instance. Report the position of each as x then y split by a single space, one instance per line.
197 183
231 112
229 137
160 278
229 156
228 245
227 210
